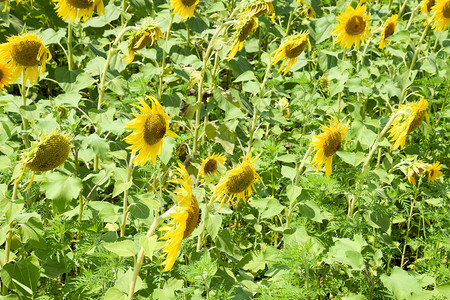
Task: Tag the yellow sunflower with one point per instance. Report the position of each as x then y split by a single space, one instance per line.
25 53
441 15
209 165
238 183
183 8
5 75
427 5
149 33
257 8
434 171
185 217
290 50
409 118
78 9
327 143
388 30
353 26
46 155
309 12
246 26
418 168
151 128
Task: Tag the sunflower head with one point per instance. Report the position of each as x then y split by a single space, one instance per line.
416 169
238 183
441 16
150 129
181 151
243 29
183 8
5 75
426 6
434 171
283 105
78 9
148 33
408 119
185 218
353 26
290 49
388 30
258 8
327 144
210 165
25 53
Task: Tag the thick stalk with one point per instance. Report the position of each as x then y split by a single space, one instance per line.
69 46
163 63
125 196
416 52
402 8
141 255
408 224
297 177
288 24
24 103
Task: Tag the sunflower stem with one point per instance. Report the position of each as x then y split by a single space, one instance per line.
402 8
288 24
188 33
163 63
24 103
69 46
125 196
141 255
80 212
299 171
202 233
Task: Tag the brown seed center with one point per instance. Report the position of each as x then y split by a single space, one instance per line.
135 46
1 72
210 166
26 53
188 3
292 51
446 11
81 3
332 143
418 118
390 28
430 3
240 182
155 129
355 25
50 154
193 217
246 29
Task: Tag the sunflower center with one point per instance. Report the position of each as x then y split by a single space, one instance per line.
418 118
1 72
26 52
431 173
193 217
246 30
446 10
332 143
430 3
81 3
210 166
390 28
188 3
355 26
240 182
154 129
50 154
292 51
134 44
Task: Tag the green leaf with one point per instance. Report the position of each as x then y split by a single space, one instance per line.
348 251
167 149
288 172
213 224
351 158
246 76
149 244
61 189
121 248
124 282
115 294
99 145
50 36
71 98
403 285
267 207
22 277
293 192
32 229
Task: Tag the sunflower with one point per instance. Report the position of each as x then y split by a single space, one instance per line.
290 50
327 143
183 8
418 168
427 5
46 155
353 26
148 33
441 15
25 53
5 75
309 12
409 118
388 30
209 165
238 182
78 9
257 8
434 171
185 218
246 26
151 128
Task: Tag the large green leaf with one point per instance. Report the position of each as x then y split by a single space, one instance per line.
22 277
403 285
61 189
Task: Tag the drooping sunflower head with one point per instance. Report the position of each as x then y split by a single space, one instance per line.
408 119
290 49
151 127
5 75
238 183
181 150
78 9
243 29
327 144
148 33
209 165
416 169
25 53
434 171
183 8
46 155
426 6
283 105
441 16
257 8
185 218
353 26
388 30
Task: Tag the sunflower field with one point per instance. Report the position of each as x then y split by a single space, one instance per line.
208 149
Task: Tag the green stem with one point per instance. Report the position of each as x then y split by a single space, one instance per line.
69 46
163 63
125 196
24 103
408 224
141 255
188 33
402 8
200 239
297 177
80 212
122 15
288 24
